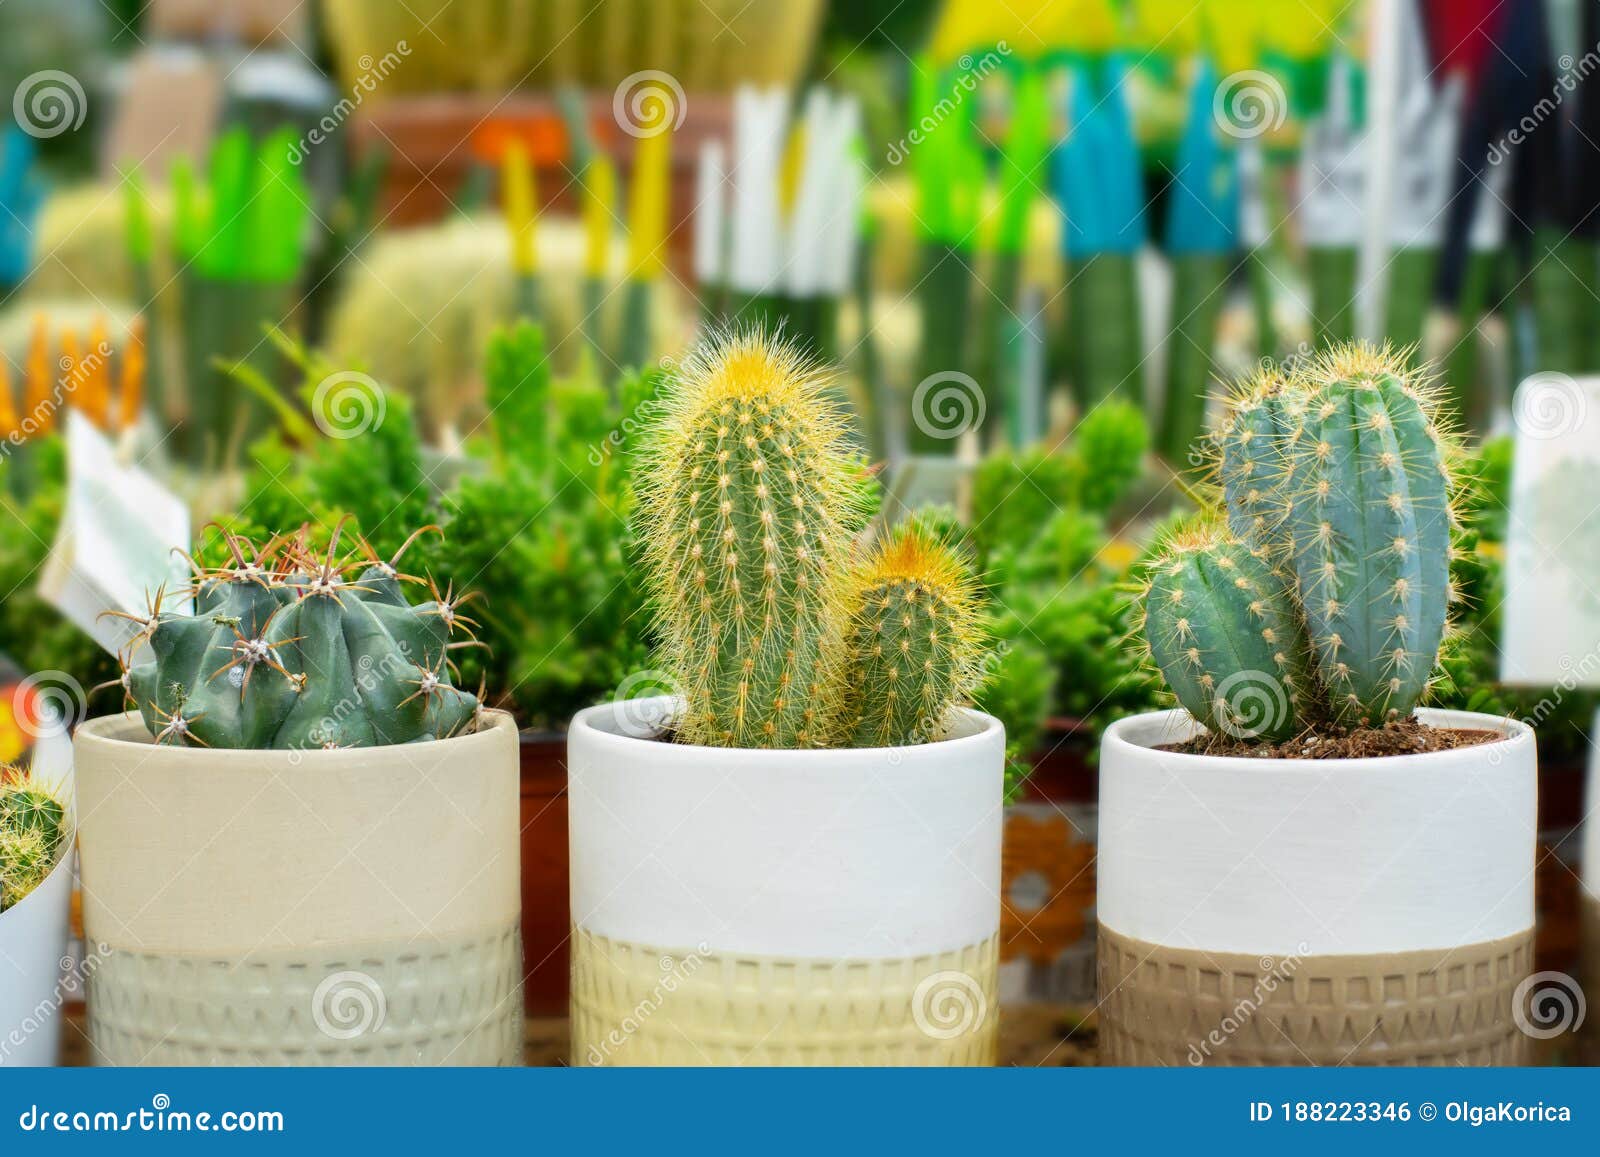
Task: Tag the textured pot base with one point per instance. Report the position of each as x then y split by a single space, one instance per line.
434 1002
633 1004
1174 1006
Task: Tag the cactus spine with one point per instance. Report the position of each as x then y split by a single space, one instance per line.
34 831
748 502
913 640
1222 626
287 649
1336 489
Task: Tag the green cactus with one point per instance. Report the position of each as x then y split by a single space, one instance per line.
914 640
34 831
1253 470
289 650
748 501
1336 489
1369 529
1223 628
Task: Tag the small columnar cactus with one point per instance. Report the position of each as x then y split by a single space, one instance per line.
288 649
34 830
1336 488
913 640
1252 466
749 500
1222 626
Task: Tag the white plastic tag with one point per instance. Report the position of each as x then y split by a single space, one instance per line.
1552 607
115 547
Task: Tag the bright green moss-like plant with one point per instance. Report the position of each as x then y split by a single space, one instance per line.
34 832
288 649
1337 545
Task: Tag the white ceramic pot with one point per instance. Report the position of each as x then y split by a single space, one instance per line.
783 907
33 941
1314 911
323 907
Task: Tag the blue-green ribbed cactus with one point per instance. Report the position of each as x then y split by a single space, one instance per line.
1369 533
1336 496
287 649
1252 468
1224 629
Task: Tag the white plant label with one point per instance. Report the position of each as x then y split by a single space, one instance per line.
1552 607
116 544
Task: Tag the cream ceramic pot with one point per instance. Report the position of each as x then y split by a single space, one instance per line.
284 907
782 907
1314 911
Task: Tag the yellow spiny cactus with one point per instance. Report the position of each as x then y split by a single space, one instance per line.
749 502
915 640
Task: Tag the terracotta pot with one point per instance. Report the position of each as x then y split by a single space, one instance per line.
1047 925
546 904
1556 886
1589 917
301 907
1356 911
737 907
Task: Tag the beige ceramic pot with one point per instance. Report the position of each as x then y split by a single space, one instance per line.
284 907
1297 912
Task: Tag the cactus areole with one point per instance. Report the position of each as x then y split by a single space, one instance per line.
289 649
1317 597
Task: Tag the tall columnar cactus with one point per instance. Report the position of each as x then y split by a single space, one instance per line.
287 649
1369 529
914 640
34 830
1223 627
748 502
1335 482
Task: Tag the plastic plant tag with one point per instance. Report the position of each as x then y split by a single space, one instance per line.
1333 171
1552 605
115 548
